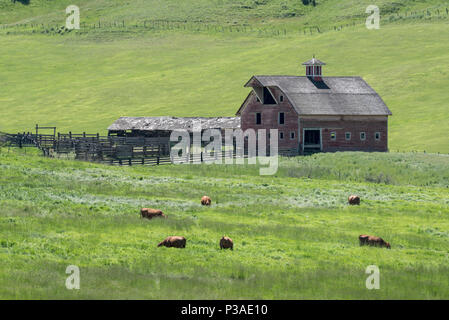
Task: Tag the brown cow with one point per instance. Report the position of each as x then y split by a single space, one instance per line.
173 241
151 213
373 241
354 200
206 201
226 243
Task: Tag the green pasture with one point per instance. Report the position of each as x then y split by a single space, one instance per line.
295 236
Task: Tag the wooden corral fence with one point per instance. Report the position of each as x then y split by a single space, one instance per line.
113 150
45 142
3 138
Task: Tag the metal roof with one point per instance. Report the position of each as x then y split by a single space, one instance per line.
314 62
330 96
167 123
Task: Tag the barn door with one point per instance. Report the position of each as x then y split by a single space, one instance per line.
312 139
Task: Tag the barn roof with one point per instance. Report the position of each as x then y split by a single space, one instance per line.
173 123
330 96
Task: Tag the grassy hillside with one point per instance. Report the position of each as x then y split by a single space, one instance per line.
84 83
216 11
295 236
197 59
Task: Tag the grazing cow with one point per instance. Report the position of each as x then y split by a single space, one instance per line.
354 200
206 201
173 241
366 240
151 213
226 243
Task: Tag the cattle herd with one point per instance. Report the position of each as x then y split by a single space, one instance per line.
227 243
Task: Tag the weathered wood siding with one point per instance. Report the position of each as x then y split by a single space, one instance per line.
270 114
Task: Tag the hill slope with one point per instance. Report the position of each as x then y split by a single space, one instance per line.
83 81
218 11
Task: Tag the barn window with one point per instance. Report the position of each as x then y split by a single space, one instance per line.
281 118
257 99
348 136
281 98
258 118
309 70
362 136
333 136
377 136
281 135
292 135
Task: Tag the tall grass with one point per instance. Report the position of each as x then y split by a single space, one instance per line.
294 237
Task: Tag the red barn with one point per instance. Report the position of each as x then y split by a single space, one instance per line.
314 113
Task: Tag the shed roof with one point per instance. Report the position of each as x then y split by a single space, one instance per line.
173 123
330 96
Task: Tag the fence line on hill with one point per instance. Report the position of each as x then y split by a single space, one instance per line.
160 25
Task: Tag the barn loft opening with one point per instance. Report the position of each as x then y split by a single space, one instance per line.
268 97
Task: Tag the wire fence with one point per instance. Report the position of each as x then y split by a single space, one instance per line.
212 27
